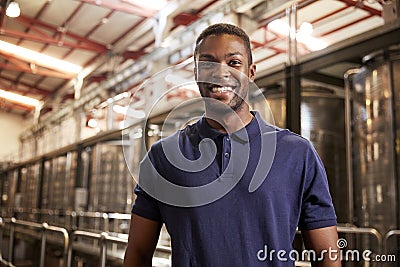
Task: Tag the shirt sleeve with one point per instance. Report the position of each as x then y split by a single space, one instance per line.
317 208
145 205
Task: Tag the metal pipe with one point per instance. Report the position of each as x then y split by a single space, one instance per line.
106 222
294 12
44 227
103 249
83 234
349 143
11 241
360 230
289 43
43 245
65 234
1 236
386 238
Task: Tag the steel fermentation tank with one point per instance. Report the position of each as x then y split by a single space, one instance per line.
374 132
322 122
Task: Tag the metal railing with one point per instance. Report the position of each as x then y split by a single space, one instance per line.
106 240
360 230
388 235
43 228
103 238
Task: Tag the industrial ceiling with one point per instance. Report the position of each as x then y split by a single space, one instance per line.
104 36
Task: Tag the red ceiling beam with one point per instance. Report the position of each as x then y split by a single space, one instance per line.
185 18
134 26
133 54
50 40
6 104
329 14
29 89
26 66
123 7
369 9
38 71
35 26
35 23
346 25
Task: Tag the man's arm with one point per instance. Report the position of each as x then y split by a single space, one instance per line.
143 237
324 242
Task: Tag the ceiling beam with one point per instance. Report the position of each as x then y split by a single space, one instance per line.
36 23
37 72
123 7
26 66
346 25
369 9
324 78
29 89
133 54
50 40
10 105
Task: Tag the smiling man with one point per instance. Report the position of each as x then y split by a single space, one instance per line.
243 207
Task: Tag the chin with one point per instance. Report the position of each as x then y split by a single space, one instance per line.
223 108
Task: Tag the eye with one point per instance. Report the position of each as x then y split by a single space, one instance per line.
206 64
235 63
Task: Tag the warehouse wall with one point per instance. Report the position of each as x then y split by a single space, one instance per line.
11 126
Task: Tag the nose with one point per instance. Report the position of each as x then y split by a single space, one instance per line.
221 71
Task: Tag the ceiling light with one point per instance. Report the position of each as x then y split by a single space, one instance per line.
20 99
38 58
92 123
279 26
306 28
13 10
312 43
302 36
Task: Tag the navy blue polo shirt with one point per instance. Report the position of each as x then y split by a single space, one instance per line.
241 228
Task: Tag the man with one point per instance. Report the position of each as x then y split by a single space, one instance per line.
235 215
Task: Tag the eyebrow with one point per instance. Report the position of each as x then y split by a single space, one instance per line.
208 56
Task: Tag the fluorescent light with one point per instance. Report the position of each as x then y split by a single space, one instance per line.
302 36
312 43
13 10
20 99
38 58
280 27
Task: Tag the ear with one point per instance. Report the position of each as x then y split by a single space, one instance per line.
252 72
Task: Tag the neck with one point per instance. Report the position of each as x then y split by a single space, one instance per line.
229 122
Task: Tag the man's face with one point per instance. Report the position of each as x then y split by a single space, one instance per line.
223 71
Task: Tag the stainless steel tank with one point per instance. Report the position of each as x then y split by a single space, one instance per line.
59 182
322 122
374 95
111 184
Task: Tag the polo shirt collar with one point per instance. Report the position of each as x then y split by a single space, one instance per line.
244 135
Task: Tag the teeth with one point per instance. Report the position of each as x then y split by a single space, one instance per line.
221 89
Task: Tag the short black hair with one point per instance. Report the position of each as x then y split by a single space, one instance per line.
224 28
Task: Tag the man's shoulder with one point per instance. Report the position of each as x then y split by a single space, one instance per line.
293 142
